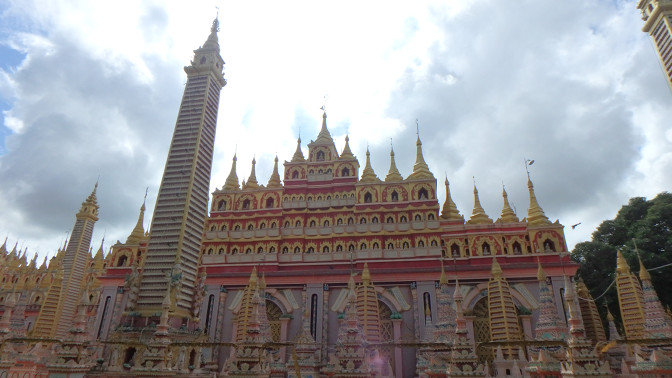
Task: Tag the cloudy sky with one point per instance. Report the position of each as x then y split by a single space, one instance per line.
90 91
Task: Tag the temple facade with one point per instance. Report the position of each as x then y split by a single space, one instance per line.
323 271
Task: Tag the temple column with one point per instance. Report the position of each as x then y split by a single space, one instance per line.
398 363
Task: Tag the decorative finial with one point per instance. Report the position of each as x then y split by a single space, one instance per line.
417 128
528 162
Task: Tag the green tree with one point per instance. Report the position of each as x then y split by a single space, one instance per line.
641 223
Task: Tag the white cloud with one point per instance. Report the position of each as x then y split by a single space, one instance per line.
571 84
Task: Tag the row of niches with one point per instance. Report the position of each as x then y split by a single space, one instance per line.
314 222
325 246
491 247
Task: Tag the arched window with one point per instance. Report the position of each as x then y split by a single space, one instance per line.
405 245
351 220
362 246
516 248
274 225
295 174
549 246
389 220
250 227
434 243
310 250
320 155
430 216
345 172
234 251
262 225
485 247
221 251
223 227
221 205
339 221
395 196
236 227
374 220
418 217
403 219
246 204
351 247
297 250
286 225
339 248
285 250
421 243
362 221
368 198
326 223
122 260
325 249
248 251
260 250
211 251
203 59
390 246
376 245
422 194
312 223
297 224
269 203
271 250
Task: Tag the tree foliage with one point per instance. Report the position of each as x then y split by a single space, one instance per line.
646 225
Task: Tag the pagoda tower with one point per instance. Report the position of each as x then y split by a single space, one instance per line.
503 314
656 323
349 358
182 204
630 299
590 314
367 308
581 360
60 305
463 359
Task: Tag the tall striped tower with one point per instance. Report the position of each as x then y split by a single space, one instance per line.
657 16
181 207
60 304
367 307
503 314
630 299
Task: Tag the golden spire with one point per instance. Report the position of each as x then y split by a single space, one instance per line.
274 181
324 135
347 153
478 215
252 180
508 216
535 215
393 174
138 232
262 282
443 280
232 180
367 174
420 168
643 273
621 265
541 275
253 278
496 270
449 210
366 275
298 154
